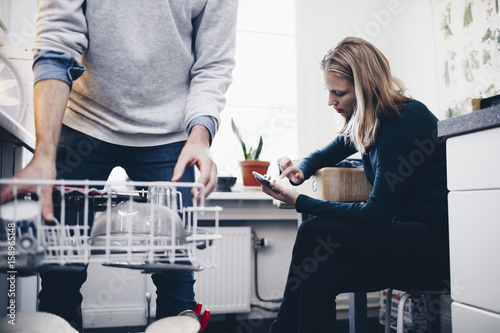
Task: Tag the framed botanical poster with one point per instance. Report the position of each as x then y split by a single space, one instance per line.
467 44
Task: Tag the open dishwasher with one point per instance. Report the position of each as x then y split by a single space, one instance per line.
136 225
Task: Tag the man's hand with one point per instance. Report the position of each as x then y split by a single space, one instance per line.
196 152
50 99
37 169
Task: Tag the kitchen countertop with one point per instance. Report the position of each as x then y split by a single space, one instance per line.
239 192
470 122
14 132
248 203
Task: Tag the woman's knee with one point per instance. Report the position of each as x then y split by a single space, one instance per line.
322 229
314 227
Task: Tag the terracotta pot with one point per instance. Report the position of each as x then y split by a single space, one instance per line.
248 166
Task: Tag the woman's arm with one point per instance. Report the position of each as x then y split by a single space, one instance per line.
329 156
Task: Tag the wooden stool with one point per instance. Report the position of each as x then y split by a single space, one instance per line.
407 293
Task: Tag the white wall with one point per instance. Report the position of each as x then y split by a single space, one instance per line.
262 97
17 47
401 29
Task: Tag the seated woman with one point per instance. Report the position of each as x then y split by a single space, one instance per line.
399 236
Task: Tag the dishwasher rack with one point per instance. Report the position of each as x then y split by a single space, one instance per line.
140 225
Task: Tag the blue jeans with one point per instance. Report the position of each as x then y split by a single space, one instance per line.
82 157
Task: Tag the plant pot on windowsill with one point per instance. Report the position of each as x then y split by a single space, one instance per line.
248 166
251 162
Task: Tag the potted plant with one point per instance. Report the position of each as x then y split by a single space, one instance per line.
251 160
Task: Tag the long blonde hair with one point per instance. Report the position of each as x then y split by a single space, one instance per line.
378 93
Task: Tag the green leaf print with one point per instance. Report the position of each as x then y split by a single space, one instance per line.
468 19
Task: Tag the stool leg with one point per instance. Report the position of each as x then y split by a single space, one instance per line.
401 306
388 307
357 312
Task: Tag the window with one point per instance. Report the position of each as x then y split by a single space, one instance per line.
263 97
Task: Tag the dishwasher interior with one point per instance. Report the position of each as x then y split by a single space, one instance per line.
137 225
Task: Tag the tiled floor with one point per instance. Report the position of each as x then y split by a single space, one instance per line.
241 326
262 326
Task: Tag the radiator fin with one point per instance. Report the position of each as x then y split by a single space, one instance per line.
226 287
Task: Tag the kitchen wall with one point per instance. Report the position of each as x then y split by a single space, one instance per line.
263 96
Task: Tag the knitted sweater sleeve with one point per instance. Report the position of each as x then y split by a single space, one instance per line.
399 166
329 156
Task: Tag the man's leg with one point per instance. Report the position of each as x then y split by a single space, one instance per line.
174 288
77 159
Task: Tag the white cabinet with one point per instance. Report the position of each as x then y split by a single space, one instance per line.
474 246
467 319
473 160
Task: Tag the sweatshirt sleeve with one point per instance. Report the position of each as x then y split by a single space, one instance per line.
61 27
58 66
214 47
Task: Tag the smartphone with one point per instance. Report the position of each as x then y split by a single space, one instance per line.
261 179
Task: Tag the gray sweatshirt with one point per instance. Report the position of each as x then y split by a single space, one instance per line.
152 66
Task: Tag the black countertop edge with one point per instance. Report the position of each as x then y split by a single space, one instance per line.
470 122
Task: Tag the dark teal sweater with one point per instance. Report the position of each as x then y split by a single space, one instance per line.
406 166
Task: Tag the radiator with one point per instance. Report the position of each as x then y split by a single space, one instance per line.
226 288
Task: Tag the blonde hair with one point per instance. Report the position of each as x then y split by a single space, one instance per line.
378 93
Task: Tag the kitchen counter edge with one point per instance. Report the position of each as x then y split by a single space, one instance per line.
470 122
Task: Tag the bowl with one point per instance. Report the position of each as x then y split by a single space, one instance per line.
224 183
36 322
136 222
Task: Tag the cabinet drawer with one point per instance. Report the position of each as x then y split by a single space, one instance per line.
337 184
467 319
474 248
473 160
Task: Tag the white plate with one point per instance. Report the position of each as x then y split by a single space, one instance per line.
12 90
36 322
20 210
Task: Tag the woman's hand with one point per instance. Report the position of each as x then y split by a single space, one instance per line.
281 193
290 171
